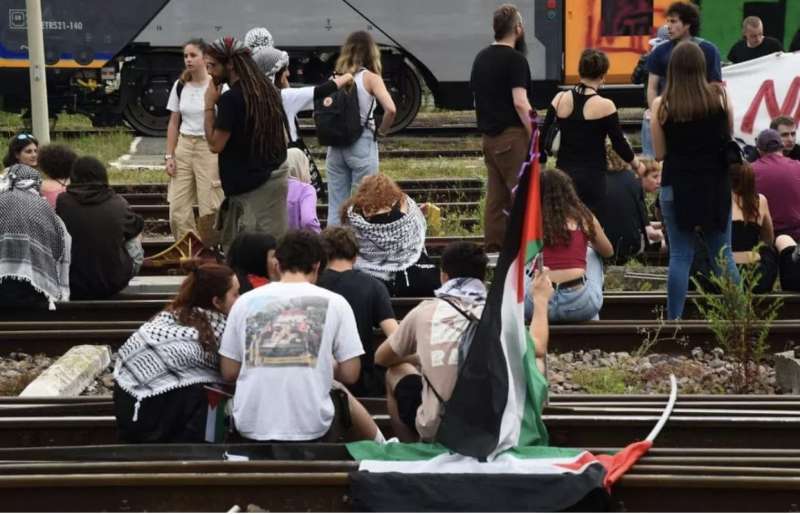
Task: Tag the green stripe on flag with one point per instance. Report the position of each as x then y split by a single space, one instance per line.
533 432
370 450
532 249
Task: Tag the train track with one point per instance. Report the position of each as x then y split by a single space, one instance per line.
140 307
56 337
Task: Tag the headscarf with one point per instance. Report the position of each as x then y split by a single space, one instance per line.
258 37
270 61
34 243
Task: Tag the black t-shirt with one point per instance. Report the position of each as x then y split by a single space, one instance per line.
624 214
496 71
740 52
794 153
371 304
238 170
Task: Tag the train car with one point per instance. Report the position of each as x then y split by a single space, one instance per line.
111 59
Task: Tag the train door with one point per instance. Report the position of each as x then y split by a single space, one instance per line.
621 28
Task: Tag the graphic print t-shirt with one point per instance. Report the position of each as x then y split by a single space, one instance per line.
287 337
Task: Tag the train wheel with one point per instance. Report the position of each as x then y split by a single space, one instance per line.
404 86
150 79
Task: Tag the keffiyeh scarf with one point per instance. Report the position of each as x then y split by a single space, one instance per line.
35 246
385 248
164 355
466 290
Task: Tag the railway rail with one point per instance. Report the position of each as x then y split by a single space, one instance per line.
56 337
140 307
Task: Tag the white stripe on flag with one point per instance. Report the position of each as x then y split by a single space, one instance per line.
459 464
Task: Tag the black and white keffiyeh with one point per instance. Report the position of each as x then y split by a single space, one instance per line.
385 248
35 246
164 355
466 290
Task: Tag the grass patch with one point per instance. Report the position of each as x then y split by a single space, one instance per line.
143 176
13 121
106 147
434 168
604 380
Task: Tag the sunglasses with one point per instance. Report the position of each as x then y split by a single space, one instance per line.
24 136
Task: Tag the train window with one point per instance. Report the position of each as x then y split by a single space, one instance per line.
627 17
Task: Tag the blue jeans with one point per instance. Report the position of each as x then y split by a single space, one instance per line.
345 167
681 253
577 303
647 137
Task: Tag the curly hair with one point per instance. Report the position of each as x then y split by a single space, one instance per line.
560 205
56 161
376 192
203 283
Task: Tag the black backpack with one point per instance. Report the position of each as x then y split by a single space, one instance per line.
338 117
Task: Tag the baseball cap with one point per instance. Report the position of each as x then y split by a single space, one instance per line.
769 141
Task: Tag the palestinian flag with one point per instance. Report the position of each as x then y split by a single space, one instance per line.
216 417
492 450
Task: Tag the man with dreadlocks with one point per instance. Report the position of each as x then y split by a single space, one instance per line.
247 130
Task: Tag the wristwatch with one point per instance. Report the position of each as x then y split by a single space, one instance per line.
168 156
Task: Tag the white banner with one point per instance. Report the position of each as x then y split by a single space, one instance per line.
761 90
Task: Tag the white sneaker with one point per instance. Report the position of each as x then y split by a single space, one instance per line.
493 256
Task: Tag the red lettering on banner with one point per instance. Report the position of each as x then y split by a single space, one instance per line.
766 94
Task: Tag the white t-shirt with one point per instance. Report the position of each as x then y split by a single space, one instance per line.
296 99
191 105
287 337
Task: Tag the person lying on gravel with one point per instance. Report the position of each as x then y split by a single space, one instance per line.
34 243
422 355
161 370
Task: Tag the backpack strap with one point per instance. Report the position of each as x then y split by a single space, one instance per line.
442 403
466 314
179 88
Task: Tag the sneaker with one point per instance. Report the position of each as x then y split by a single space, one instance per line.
493 256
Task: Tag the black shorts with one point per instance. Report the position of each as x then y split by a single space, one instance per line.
767 269
789 270
408 393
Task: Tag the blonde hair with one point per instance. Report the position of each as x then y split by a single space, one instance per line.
359 51
297 165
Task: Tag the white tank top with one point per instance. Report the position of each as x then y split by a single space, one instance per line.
366 104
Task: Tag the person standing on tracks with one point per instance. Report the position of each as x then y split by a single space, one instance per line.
683 24
192 168
585 119
692 122
753 43
500 80
246 127
347 166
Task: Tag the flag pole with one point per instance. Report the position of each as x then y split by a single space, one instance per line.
38 74
673 396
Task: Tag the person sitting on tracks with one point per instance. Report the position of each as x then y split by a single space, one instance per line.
788 263
22 149
623 213
346 166
34 243
752 224
247 130
421 357
390 230
585 119
574 242
193 170
252 257
106 233
778 178
301 198
369 299
275 65
55 165
161 370
285 344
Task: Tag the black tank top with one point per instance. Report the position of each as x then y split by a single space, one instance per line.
745 235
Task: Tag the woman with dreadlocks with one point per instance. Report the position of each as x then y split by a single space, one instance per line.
573 238
248 132
346 166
